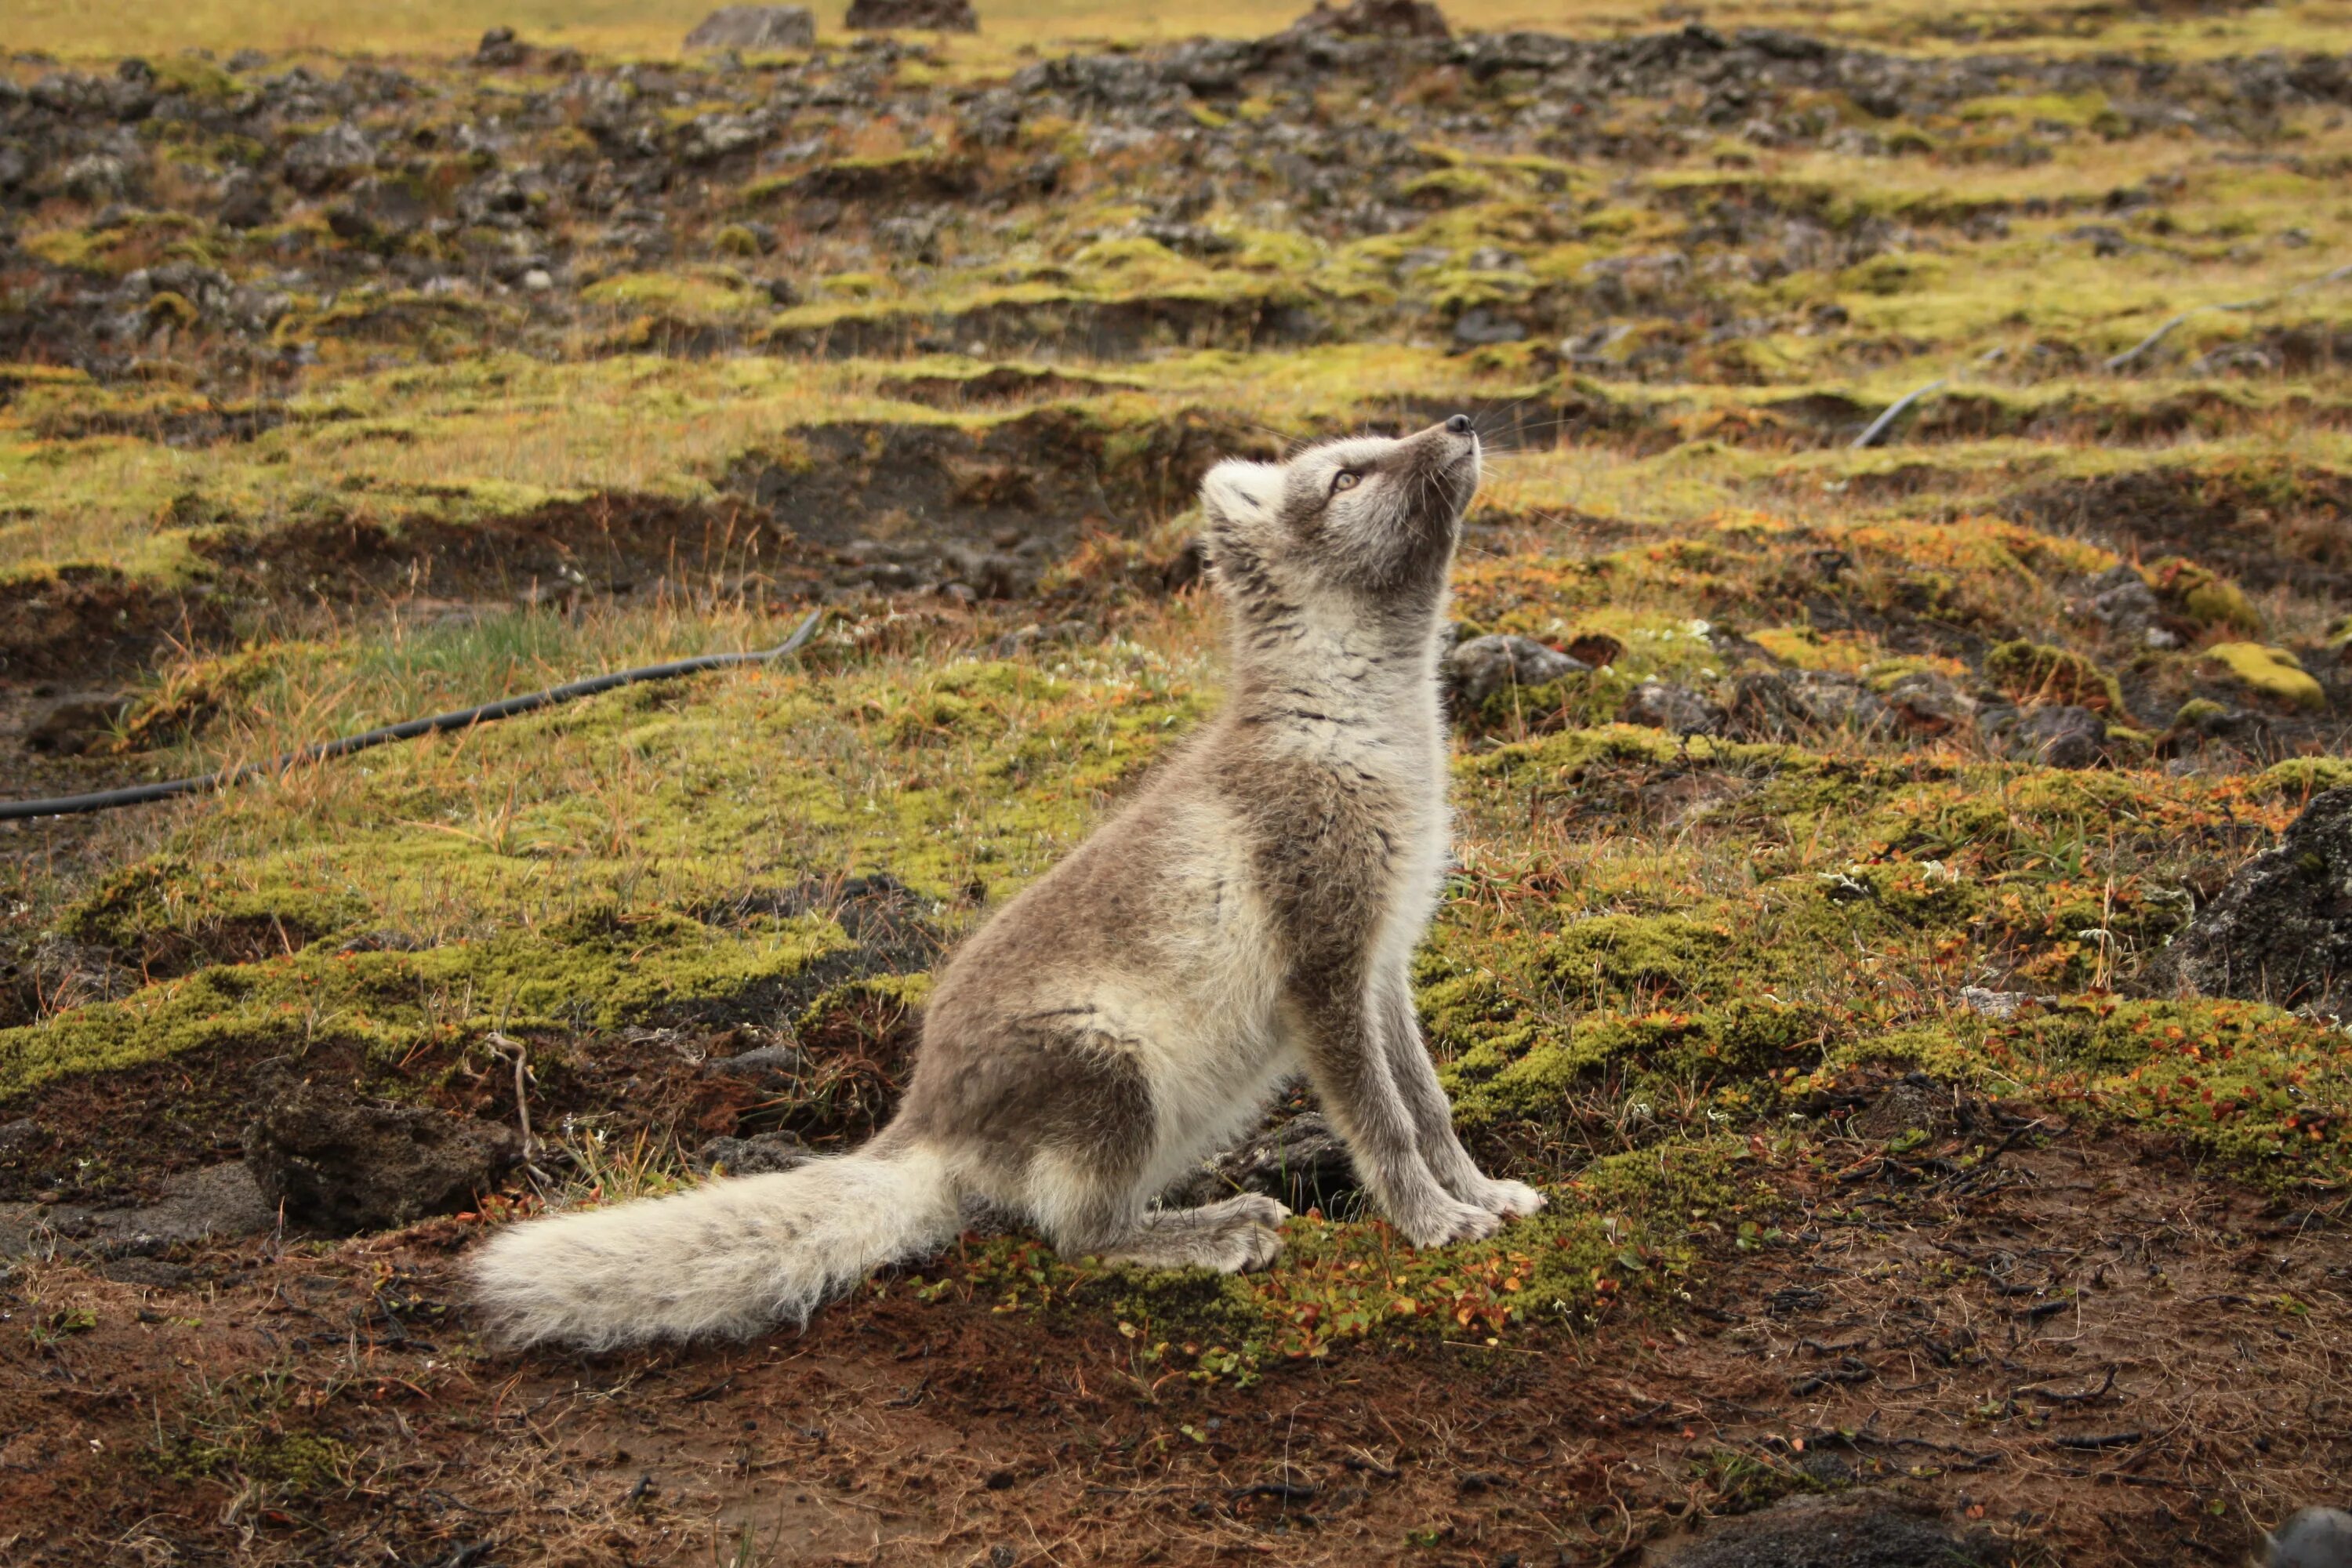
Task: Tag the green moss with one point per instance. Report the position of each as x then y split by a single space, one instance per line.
685 296
595 970
2208 599
2271 672
1619 1235
2037 672
2299 778
2252 1085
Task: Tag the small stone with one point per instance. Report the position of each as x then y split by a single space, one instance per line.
756 28
1484 666
1478 327
1675 708
539 280
2055 737
1998 1005
754 1156
760 1062
1925 703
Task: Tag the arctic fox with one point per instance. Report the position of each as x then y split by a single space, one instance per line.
1249 915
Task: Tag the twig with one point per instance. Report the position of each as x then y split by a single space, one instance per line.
2041 1392
2103 1440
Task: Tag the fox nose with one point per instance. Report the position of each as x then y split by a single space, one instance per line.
1459 425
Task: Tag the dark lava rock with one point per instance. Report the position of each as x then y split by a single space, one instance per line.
348 1164
78 722
2055 737
1300 1163
1483 665
1375 19
1810 1532
2280 932
754 1156
221 1201
245 201
938 16
1676 709
755 27
500 48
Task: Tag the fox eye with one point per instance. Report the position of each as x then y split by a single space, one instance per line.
1346 480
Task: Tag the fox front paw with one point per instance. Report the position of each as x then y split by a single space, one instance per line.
1508 1200
1443 1223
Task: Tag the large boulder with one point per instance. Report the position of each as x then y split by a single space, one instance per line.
888 16
755 27
346 1164
2281 930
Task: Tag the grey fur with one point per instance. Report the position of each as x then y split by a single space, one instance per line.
1249 914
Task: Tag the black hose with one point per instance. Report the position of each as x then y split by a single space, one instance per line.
506 708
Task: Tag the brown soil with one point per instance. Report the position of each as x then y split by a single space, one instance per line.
2080 1345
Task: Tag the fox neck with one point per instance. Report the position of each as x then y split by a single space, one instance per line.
1328 672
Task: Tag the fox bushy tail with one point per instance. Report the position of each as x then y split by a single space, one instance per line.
729 1258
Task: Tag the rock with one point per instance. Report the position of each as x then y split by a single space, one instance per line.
1925 703
782 1063
500 48
2281 930
1300 1163
753 1156
244 201
2313 1538
332 157
2055 737
888 15
1914 1104
1374 19
347 1165
195 1205
1830 1532
755 27
94 177
1676 709
1479 326
221 1201
79 722
1483 665
1775 705
1998 1005
2201 722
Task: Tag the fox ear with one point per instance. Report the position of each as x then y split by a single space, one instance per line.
1238 493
